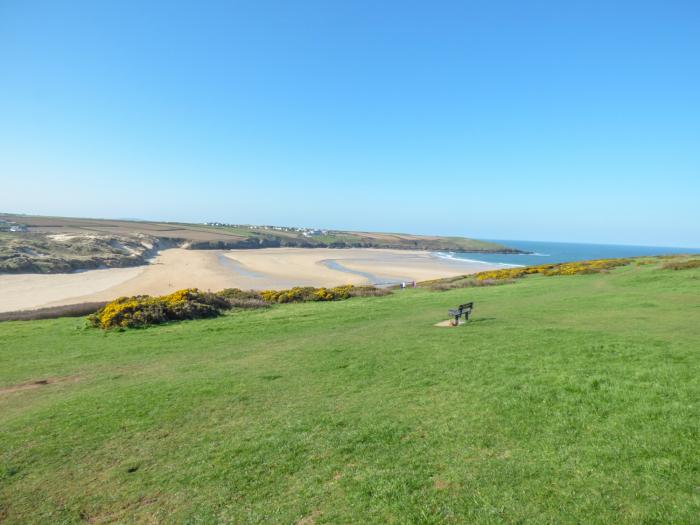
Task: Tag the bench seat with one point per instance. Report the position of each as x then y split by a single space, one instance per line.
457 313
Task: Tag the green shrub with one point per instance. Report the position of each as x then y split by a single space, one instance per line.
248 303
368 291
237 294
238 298
466 282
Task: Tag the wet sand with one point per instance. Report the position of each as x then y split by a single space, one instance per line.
214 270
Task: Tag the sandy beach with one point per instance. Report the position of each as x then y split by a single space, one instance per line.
214 270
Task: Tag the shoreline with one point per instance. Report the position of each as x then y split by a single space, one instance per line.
265 268
450 257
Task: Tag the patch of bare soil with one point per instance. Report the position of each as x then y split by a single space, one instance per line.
38 383
440 484
446 324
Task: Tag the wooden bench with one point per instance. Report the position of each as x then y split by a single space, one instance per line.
463 310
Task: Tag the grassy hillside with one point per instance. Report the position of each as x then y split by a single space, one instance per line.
61 244
566 400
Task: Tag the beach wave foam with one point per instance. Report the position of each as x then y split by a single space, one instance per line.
452 257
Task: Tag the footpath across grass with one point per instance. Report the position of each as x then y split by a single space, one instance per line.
567 399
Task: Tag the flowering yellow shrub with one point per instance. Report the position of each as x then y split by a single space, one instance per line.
571 268
300 294
144 310
190 303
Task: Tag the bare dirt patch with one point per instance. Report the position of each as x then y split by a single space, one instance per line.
447 324
38 383
440 484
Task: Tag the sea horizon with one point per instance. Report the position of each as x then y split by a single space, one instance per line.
545 252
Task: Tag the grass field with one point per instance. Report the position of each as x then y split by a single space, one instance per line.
565 400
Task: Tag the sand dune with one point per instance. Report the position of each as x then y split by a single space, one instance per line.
215 269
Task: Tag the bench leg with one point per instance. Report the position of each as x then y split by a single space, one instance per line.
455 322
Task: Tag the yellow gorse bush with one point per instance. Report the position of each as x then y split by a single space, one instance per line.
300 294
191 303
144 310
571 268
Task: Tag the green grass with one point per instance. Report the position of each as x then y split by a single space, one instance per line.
565 400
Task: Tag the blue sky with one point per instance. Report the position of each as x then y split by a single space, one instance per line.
569 121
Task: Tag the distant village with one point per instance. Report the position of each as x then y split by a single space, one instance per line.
306 232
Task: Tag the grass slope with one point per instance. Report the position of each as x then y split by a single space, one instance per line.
566 400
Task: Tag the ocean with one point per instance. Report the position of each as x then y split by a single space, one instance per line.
557 252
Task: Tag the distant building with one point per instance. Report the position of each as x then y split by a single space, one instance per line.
313 233
306 232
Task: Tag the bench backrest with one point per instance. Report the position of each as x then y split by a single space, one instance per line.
467 306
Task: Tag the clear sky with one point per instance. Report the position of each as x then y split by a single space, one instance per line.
548 120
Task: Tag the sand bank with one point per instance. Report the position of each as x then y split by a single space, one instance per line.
329 267
26 291
216 269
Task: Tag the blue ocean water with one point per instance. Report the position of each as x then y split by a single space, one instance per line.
556 252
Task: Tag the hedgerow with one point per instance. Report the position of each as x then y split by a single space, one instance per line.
465 282
570 268
368 291
191 303
238 298
300 294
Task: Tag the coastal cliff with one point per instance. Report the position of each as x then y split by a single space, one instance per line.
30 244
